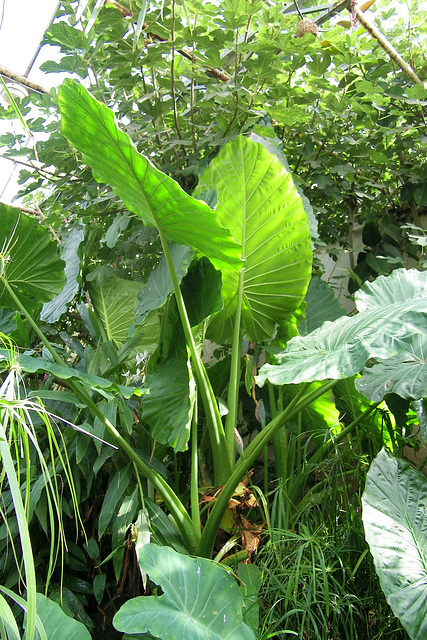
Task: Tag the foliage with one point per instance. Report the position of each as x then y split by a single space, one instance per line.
207 99
393 514
199 600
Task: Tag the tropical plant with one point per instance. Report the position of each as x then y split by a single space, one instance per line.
184 82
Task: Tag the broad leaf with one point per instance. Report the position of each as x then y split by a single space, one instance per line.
168 407
70 242
157 199
57 624
258 202
394 515
200 600
114 300
322 305
31 262
159 284
393 310
405 374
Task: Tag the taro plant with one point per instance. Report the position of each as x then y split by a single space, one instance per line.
265 267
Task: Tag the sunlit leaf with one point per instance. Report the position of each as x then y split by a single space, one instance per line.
258 202
157 199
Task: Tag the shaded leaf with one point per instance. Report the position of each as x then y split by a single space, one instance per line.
114 300
201 289
70 242
159 284
322 305
114 494
168 407
394 515
38 273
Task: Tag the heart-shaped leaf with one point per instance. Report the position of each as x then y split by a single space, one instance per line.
258 202
393 310
200 600
394 515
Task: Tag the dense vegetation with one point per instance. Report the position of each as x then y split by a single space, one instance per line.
163 406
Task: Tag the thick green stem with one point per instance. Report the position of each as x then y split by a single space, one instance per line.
280 441
235 371
252 452
180 515
194 484
222 463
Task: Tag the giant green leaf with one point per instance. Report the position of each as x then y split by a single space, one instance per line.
200 600
30 260
395 519
258 202
393 309
157 199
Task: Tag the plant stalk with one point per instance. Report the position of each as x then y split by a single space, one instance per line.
252 452
235 371
222 464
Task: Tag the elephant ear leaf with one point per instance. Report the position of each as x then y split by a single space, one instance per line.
30 261
392 321
394 515
152 195
200 600
258 202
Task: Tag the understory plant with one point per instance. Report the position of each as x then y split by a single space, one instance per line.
20 450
